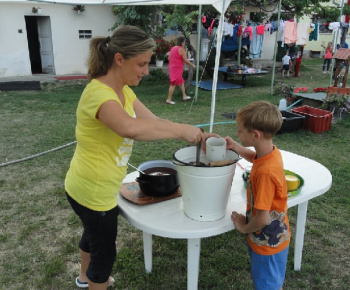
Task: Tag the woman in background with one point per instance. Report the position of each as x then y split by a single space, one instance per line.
109 118
177 59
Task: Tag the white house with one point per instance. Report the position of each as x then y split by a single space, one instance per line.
54 40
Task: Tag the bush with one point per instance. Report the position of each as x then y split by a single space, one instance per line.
156 75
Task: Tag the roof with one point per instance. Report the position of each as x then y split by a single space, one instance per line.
342 53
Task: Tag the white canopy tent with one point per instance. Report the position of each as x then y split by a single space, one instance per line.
219 5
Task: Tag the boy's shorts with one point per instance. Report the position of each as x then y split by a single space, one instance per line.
286 67
268 272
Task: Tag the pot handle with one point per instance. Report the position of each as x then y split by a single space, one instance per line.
141 181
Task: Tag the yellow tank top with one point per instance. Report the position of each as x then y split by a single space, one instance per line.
99 164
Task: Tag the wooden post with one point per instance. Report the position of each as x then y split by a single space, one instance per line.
346 73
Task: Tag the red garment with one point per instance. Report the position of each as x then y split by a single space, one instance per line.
176 66
260 29
297 66
329 53
239 30
249 29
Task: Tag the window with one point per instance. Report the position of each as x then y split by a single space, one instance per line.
85 34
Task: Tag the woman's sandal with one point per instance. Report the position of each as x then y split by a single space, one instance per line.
186 99
170 103
86 284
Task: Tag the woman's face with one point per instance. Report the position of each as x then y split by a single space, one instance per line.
133 69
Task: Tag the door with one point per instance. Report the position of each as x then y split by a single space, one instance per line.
45 40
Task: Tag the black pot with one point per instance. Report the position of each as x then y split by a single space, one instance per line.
160 178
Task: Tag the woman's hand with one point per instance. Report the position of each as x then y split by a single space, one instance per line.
204 139
192 134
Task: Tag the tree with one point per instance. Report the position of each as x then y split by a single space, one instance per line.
147 18
156 19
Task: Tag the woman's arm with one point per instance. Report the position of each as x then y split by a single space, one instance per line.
146 126
184 57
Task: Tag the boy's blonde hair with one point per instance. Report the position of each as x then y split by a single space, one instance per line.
262 116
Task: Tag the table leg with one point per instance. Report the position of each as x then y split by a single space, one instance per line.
299 236
193 254
244 77
147 251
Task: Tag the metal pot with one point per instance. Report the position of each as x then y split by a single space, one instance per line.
159 178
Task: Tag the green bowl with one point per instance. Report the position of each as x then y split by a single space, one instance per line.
286 172
296 191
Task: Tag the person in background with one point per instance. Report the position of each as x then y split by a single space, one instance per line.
265 224
177 59
298 60
327 57
286 61
109 118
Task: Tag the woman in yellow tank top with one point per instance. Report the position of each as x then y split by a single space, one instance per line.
109 118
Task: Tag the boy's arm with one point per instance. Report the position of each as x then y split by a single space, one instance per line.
244 152
260 220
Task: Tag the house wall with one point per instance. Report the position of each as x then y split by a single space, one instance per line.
70 52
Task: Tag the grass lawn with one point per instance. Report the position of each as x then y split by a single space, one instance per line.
39 232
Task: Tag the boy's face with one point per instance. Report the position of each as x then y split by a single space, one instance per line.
244 135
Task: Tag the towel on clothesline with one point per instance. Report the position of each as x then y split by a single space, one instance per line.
290 32
302 33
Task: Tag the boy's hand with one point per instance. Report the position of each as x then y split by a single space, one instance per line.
239 221
230 143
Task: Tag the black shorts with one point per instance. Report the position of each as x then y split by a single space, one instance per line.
98 239
286 67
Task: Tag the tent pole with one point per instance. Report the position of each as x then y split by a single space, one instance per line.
275 51
217 63
199 30
239 48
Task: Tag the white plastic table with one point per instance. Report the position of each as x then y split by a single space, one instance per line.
167 218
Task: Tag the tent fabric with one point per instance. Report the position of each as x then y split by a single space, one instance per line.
219 5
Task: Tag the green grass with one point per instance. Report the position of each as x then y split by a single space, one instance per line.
39 232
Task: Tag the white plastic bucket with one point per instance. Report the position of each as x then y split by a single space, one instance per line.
205 190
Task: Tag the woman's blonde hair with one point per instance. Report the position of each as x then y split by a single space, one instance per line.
262 116
127 40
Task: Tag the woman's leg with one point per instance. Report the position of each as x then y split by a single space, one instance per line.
170 94
84 263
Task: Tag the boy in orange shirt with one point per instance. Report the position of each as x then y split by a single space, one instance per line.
266 223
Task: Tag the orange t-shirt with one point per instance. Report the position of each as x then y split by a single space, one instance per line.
267 190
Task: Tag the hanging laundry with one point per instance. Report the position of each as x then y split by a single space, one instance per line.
257 42
248 32
290 32
334 26
314 32
302 33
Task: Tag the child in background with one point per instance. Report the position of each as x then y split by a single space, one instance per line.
327 57
266 223
286 61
